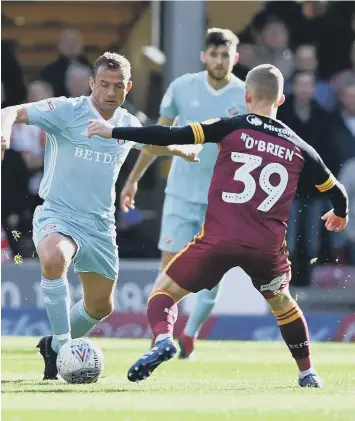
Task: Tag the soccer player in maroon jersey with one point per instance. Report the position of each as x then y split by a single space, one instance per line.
254 181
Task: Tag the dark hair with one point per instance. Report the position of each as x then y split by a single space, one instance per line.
216 37
300 73
113 61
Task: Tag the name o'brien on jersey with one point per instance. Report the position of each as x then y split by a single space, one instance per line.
268 147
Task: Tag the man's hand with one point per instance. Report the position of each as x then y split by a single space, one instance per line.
187 152
100 128
333 222
128 195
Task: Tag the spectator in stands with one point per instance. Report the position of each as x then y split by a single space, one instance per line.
343 137
12 81
347 177
70 51
76 80
301 18
320 23
336 33
343 124
245 62
306 59
272 46
309 120
338 77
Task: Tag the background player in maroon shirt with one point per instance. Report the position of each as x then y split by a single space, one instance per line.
254 181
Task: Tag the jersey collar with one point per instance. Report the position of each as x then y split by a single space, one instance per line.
218 92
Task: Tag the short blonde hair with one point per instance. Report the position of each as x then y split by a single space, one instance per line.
266 81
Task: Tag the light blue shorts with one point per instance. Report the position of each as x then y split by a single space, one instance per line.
95 238
181 221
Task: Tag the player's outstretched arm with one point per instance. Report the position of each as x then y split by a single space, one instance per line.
9 116
187 152
154 148
149 135
195 133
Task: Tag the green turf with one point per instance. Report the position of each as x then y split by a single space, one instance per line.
243 381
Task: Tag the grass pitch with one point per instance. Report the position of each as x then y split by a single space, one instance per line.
243 381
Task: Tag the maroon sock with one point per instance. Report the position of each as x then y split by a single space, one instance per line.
294 330
162 313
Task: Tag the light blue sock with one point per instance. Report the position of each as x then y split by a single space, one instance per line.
80 322
205 301
57 304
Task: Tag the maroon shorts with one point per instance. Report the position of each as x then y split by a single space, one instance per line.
203 263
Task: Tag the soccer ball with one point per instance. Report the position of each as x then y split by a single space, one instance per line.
80 361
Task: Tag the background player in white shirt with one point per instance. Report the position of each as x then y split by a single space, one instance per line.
76 222
193 97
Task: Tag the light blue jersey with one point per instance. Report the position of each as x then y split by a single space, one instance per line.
79 173
192 99
78 186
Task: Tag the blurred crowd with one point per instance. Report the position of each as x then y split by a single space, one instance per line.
313 43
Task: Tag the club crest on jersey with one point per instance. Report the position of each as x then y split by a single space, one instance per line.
121 142
46 105
233 111
254 120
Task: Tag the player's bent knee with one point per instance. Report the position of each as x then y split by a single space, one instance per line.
99 309
53 262
280 301
55 252
166 284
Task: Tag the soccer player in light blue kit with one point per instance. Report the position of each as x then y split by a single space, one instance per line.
76 222
195 97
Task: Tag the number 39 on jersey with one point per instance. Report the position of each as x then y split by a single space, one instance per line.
242 174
